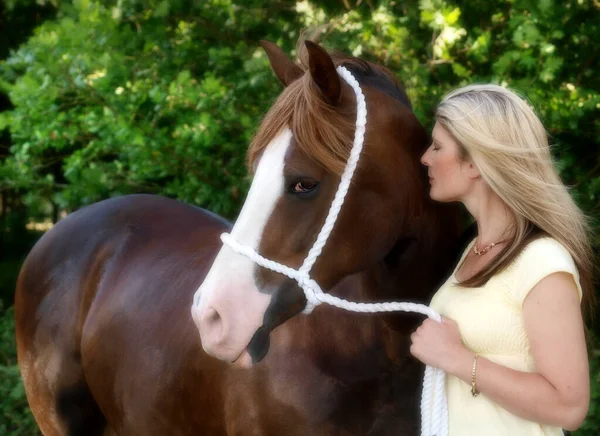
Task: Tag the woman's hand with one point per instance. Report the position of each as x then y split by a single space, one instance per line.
438 344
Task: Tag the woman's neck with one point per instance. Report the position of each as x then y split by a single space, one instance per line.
494 218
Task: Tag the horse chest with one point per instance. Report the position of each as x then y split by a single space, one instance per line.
294 393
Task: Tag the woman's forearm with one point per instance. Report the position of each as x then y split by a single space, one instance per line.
528 395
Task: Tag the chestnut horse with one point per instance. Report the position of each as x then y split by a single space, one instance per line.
106 342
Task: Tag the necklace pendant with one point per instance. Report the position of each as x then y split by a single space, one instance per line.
484 250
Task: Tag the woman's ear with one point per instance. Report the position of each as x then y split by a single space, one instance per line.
472 170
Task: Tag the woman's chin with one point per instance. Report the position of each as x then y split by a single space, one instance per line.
434 196
441 198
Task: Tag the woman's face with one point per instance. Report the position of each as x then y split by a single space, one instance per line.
450 176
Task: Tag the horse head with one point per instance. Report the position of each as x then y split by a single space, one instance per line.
297 158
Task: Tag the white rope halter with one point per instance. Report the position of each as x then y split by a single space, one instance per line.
434 409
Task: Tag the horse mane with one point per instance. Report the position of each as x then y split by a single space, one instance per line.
323 132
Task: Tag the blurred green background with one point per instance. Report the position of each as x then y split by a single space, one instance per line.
105 98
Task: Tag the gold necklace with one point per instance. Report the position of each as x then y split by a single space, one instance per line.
486 249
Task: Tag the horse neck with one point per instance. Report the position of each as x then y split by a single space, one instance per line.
418 263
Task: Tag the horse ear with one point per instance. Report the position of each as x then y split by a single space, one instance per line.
323 72
283 67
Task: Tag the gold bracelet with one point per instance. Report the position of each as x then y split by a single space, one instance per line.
474 390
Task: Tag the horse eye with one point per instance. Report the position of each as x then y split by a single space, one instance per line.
304 187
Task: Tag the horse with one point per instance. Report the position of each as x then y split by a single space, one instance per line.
132 317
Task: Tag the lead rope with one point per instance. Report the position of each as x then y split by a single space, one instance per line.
434 408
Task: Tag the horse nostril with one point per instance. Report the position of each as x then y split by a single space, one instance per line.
212 316
211 325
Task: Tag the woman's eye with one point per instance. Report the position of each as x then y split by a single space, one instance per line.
303 187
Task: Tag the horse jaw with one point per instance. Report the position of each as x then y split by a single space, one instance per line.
228 306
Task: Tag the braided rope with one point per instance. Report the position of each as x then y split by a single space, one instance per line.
338 201
433 399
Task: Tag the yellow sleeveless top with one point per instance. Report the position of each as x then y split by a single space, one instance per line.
490 320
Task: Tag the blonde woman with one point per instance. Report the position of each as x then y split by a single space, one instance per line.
512 338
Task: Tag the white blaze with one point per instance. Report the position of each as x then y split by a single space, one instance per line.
229 286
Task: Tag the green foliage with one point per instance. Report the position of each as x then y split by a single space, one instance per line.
9 271
162 96
8 346
15 418
591 426
15 242
128 98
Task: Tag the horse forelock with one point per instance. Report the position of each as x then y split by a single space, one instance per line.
323 132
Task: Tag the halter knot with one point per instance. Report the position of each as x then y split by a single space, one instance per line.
311 291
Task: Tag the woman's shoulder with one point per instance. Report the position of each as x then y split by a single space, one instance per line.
543 249
539 258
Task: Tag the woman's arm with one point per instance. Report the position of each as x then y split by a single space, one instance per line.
558 392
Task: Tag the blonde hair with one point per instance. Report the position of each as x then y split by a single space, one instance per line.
508 144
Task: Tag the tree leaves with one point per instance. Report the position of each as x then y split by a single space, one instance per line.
164 96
